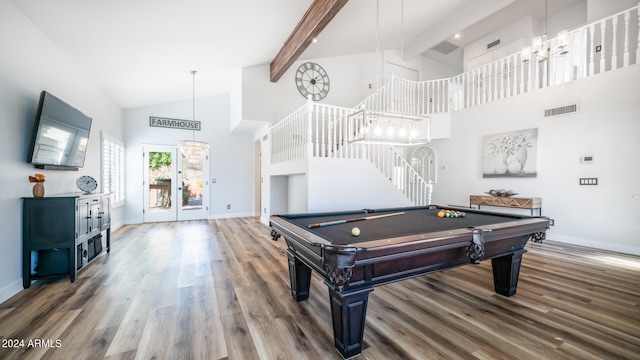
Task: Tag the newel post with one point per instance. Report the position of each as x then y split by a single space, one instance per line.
309 139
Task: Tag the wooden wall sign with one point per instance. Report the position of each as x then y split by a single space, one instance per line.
174 123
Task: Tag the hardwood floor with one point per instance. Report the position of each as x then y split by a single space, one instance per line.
219 289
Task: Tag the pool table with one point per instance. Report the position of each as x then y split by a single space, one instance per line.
405 243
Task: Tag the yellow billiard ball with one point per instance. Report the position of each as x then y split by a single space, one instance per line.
355 231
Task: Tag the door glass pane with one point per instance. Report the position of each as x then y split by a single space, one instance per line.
160 179
192 178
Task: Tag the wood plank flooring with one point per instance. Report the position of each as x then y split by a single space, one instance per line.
219 289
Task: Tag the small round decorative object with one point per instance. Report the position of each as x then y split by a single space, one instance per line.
312 79
87 184
355 231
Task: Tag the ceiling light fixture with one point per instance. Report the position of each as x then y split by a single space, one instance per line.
540 45
387 127
383 127
193 150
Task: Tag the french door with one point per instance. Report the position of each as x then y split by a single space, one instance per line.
175 187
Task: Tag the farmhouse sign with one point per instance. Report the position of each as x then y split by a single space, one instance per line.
174 123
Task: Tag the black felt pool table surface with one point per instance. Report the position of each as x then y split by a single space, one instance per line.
413 221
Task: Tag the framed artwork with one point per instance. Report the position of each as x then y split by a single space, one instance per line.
510 154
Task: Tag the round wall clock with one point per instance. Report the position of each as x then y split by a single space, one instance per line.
312 79
87 184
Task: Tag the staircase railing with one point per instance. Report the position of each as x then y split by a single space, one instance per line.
319 130
401 174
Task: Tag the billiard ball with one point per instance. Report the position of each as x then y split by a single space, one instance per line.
355 231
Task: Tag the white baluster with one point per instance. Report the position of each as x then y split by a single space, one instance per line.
492 82
592 53
603 29
436 96
483 82
501 65
508 68
614 44
478 87
421 98
309 152
521 75
341 136
638 45
317 116
625 56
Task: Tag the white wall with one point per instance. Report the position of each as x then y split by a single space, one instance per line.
599 9
348 184
520 33
297 193
30 63
606 127
350 78
231 156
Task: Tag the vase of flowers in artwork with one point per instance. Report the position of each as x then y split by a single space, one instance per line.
38 186
510 151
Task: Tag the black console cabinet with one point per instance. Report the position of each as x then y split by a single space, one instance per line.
65 231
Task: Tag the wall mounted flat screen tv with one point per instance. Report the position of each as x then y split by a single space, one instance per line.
60 135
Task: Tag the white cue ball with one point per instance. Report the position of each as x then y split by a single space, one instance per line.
355 231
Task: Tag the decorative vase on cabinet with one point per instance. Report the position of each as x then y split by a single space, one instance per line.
38 190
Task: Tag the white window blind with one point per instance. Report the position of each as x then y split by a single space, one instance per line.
113 169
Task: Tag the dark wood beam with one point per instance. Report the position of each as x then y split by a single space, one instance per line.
319 14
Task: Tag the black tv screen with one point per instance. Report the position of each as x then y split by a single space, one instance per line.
60 135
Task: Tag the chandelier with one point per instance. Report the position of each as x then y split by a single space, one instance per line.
540 45
386 127
193 150
383 127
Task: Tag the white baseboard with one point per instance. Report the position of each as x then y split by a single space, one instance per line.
632 250
231 215
10 290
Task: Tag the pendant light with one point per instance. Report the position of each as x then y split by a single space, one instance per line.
540 44
368 126
193 150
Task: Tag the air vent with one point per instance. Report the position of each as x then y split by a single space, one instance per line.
445 47
492 44
562 110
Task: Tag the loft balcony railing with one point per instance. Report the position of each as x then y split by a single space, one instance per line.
602 46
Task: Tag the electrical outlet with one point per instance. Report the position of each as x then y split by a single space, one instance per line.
228 207
588 181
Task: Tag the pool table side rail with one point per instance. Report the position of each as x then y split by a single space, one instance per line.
288 229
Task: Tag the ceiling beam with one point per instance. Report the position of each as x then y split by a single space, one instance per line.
319 14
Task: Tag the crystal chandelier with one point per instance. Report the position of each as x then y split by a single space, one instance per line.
193 150
540 44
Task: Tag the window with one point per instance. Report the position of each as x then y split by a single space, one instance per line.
113 169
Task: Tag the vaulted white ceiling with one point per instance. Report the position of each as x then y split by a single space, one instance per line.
141 52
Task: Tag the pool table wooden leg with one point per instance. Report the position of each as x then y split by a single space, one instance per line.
348 312
299 276
506 270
